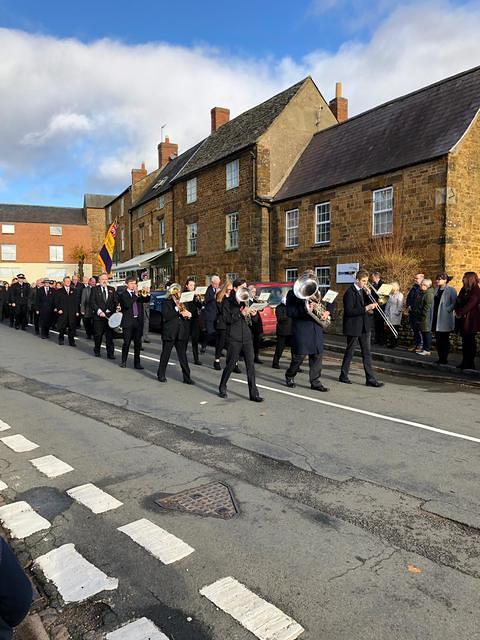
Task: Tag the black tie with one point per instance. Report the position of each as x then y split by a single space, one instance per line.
105 293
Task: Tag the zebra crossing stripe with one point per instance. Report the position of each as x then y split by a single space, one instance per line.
3 486
75 578
141 629
21 520
51 466
93 498
162 545
261 618
19 443
4 426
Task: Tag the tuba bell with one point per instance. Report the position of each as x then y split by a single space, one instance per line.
307 288
243 295
174 291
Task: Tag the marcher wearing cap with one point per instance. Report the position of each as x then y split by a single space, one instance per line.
19 298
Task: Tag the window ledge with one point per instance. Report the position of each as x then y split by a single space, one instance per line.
321 244
291 248
228 250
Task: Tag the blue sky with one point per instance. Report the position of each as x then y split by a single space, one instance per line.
86 86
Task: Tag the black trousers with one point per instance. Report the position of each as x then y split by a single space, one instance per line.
45 322
181 349
442 341
256 336
469 350
314 364
379 325
36 323
392 341
65 325
134 333
11 315
282 342
21 316
364 342
194 337
100 327
220 343
88 325
235 350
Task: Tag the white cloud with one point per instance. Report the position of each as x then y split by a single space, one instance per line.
74 109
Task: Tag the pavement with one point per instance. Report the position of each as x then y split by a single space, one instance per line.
358 510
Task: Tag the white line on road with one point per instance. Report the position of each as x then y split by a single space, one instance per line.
19 443
75 578
141 629
94 498
372 414
4 426
3 486
162 545
263 619
51 466
21 520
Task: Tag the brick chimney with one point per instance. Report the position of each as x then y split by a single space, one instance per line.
166 151
139 174
219 116
339 105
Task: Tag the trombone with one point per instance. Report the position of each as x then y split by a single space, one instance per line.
378 308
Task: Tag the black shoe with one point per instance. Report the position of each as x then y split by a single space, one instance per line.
198 363
122 365
236 369
258 361
216 365
96 354
44 337
142 349
112 357
300 371
146 340
188 381
222 394
344 380
138 366
160 379
374 383
72 344
275 365
290 383
318 387
257 399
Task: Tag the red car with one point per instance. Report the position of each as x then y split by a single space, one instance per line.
277 291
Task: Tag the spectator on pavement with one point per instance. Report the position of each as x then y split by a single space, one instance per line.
424 316
467 310
393 311
443 322
413 297
15 592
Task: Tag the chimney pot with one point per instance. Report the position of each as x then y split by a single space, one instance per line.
339 105
166 150
139 174
219 117
338 90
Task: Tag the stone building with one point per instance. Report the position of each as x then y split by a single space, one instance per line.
410 167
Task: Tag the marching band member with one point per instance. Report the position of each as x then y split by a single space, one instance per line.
103 301
194 306
256 325
67 309
220 326
357 325
132 321
175 333
210 310
284 332
240 339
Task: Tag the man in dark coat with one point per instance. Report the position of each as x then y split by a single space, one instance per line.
3 300
175 333
283 331
19 297
44 305
132 321
86 307
11 310
194 306
307 339
15 592
103 301
239 341
357 325
413 298
67 310
210 310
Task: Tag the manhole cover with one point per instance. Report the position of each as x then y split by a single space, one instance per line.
214 499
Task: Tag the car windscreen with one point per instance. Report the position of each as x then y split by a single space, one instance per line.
276 293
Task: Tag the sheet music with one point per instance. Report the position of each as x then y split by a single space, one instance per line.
187 296
330 296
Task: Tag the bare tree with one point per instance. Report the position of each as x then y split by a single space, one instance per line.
80 255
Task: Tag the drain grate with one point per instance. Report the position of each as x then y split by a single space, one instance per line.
214 500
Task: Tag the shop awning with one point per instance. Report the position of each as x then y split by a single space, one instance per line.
142 260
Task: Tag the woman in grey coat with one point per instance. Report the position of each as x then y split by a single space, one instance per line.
443 320
394 312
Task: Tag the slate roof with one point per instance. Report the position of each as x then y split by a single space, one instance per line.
163 181
240 132
40 214
420 126
96 200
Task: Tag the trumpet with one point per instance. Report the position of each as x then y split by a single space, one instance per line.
307 288
174 291
144 293
382 313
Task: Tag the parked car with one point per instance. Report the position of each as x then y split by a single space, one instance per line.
277 291
157 298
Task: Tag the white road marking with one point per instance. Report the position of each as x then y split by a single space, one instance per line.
75 578
3 486
162 545
204 402
93 498
51 466
21 520
19 443
4 426
141 629
260 617
380 416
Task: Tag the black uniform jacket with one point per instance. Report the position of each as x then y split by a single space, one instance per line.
97 301
45 303
355 319
307 334
174 326
19 294
284 323
126 303
237 327
67 303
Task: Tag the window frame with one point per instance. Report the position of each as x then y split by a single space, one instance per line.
161 201
3 246
141 230
229 246
324 287
232 275
161 234
5 228
192 190
232 174
287 228
122 206
109 214
287 278
192 238
122 239
55 247
375 213
322 224
56 226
